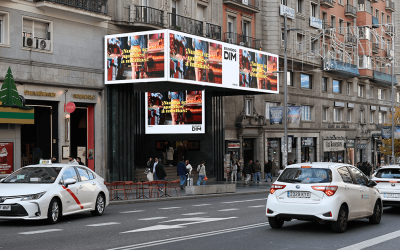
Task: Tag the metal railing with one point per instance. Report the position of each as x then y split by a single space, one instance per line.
213 31
97 6
327 1
350 9
252 3
350 38
390 4
145 14
241 40
375 47
185 24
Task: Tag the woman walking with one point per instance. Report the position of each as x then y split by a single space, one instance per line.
202 173
234 171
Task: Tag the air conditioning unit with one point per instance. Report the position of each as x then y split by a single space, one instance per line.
28 41
43 44
229 40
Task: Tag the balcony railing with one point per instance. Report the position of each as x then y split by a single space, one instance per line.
375 48
149 15
327 3
97 6
350 38
254 4
241 40
185 24
390 6
213 31
350 10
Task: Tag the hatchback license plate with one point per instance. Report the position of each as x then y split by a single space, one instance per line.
391 195
296 194
5 208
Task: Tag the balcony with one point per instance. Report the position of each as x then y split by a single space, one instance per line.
350 11
241 40
97 9
327 28
148 15
213 31
185 24
375 48
350 38
375 22
327 3
390 6
383 78
249 5
340 68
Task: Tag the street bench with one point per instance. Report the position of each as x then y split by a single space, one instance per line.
211 189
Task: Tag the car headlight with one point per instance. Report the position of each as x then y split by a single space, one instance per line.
33 196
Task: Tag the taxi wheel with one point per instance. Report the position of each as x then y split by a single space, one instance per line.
377 214
100 205
53 213
275 223
340 225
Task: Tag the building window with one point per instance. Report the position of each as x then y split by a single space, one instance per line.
398 97
341 2
360 90
36 34
324 84
299 6
362 120
364 62
388 19
4 36
337 86
314 45
289 78
248 107
348 88
314 10
267 106
231 29
381 117
381 94
306 113
337 114
333 22
325 114
306 81
341 27
284 2
383 18
371 92
300 42
349 111
371 117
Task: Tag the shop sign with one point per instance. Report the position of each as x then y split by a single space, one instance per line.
307 142
286 10
234 145
373 107
315 22
350 105
273 144
333 145
78 96
70 107
350 144
361 146
6 157
383 108
39 93
339 104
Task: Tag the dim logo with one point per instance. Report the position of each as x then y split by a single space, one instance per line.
196 128
229 54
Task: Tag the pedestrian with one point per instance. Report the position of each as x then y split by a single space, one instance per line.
202 173
170 154
154 168
234 171
71 160
182 171
54 160
250 164
79 160
268 169
160 173
165 150
247 170
188 167
256 170
274 168
150 163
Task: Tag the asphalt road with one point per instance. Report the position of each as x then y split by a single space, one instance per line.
232 222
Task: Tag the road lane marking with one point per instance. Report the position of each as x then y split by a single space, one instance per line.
103 224
188 237
135 211
201 205
258 206
229 209
195 213
153 218
228 202
41 231
169 207
373 241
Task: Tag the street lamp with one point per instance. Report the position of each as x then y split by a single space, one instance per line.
392 59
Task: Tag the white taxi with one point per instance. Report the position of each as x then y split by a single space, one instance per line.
324 192
49 191
388 180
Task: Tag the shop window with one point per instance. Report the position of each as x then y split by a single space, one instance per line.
306 113
381 94
337 87
289 78
324 84
267 106
325 114
306 81
381 117
349 111
36 34
248 107
337 114
371 117
360 90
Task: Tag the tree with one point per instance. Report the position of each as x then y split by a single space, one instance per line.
8 93
387 148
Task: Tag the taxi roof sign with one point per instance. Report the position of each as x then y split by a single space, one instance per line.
45 162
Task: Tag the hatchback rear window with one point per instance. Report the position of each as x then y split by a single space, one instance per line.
306 175
388 173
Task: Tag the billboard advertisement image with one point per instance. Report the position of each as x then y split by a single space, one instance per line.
6 157
175 112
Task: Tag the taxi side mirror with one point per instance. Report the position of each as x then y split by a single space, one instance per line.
69 182
371 183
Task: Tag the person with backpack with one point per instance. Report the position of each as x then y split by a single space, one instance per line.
234 171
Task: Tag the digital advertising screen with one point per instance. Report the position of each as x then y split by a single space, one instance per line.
175 112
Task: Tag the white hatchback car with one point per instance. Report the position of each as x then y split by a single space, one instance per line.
388 180
323 192
49 191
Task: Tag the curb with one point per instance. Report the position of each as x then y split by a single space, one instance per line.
184 197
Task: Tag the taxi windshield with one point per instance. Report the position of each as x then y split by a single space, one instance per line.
306 175
34 175
392 173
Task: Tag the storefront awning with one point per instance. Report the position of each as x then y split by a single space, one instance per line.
16 115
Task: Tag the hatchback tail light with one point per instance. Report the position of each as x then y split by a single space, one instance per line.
275 187
328 190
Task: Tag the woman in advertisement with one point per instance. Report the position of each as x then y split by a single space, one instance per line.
261 64
114 56
245 68
200 51
177 114
137 43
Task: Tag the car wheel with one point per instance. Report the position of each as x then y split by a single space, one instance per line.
340 225
100 205
275 222
53 213
377 214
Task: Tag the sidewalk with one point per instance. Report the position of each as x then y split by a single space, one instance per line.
241 189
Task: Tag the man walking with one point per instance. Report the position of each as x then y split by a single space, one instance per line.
268 168
247 170
182 171
160 173
234 171
154 168
256 170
